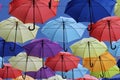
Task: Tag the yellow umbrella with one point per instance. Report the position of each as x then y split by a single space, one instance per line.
26 63
26 78
88 47
117 8
14 30
101 63
107 74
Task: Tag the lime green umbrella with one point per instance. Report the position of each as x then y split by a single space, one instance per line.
107 74
117 8
14 30
88 47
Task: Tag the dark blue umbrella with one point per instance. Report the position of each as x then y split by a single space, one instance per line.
90 10
5 49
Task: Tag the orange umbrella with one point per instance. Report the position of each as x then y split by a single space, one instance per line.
101 63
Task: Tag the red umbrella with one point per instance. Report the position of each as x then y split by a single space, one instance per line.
30 11
107 29
8 72
63 61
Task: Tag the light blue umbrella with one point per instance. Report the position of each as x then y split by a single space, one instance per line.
75 73
63 30
116 51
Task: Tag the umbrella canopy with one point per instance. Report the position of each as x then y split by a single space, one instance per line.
9 72
107 29
42 48
26 63
87 77
63 30
107 74
14 30
90 10
38 11
115 77
105 61
117 8
5 48
43 73
75 73
62 59
116 51
88 45
21 78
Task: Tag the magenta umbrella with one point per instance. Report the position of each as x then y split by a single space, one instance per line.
42 48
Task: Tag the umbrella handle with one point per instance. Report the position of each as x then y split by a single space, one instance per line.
50 3
33 28
91 65
113 48
64 77
102 75
23 76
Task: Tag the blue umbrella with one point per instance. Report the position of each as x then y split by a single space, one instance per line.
116 77
63 30
90 10
78 72
116 51
5 49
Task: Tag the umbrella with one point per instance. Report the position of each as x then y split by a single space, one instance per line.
5 49
63 61
107 74
107 29
43 73
21 78
9 72
87 77
26 63
105 61
88 47
75 73
117 8
116 51
63 30
90 10
42 48
38 11
115 77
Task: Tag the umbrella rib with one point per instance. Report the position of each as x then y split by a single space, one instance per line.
94 49
20 33
39 13
103 8
85 49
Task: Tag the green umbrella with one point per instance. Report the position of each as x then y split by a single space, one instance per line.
107 74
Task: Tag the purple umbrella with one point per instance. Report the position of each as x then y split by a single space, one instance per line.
42 48
44 72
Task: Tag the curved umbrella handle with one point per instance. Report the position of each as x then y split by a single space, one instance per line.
33 28
91 65
102 75
113 48
89 29
23 76
64 77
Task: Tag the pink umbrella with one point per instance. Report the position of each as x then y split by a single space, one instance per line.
87 77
